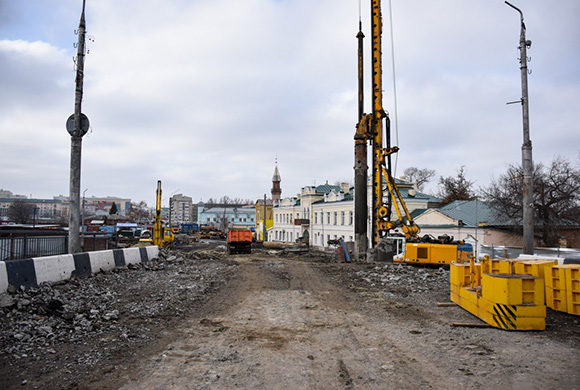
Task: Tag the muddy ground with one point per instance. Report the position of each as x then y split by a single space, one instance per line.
198 318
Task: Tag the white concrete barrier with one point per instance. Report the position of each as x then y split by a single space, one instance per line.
3 277
102 260
152 251
53 268
132 255
32 272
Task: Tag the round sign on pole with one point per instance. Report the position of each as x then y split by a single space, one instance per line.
70 124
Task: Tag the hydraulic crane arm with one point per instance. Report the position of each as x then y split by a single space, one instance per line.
158 230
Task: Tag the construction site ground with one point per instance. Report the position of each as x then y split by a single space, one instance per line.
198 318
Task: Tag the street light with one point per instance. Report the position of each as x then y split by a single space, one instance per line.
527 162
77 126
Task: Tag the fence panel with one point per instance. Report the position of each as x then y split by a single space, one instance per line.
512 252
22 247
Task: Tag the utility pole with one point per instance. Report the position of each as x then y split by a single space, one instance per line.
527 162
77 126
264 237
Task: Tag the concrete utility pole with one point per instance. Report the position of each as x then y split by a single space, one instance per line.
79 128
527 162
264 237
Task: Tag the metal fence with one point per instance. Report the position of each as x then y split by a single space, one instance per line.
25 246
512 252
22 247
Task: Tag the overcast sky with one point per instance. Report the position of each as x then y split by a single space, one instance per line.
205 95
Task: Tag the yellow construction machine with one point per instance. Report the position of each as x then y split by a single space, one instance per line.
161 237
370 129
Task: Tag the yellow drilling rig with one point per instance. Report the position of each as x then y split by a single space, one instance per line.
370 129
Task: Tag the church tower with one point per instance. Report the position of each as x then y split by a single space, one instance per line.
276 190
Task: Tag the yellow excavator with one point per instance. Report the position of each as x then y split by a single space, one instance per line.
161 237
370 129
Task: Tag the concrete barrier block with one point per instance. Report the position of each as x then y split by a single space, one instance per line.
102 260
132 255
82 265
119 256
152 252
53 268
3 277
21 273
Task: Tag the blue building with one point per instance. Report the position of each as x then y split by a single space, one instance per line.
225 218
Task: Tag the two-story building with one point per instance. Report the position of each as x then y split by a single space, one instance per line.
228 217
326 212
333 217
303 217
264 218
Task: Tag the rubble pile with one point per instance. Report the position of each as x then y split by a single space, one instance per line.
423 284
106 312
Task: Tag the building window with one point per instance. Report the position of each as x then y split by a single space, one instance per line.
342 217
315 217
328 220
335 217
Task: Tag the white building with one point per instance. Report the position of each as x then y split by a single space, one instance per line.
318 214
326 212
333 218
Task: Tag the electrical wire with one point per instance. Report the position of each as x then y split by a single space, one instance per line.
396 120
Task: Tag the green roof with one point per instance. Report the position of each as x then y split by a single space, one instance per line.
474 212
326 188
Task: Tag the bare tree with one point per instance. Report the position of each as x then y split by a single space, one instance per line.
20 212
556 197
456 188
139 212
419 176
226 201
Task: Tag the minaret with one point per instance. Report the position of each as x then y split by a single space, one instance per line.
276 190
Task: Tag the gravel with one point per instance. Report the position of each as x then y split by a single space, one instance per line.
72 325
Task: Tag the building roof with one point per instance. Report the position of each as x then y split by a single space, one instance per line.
326 188
473 213
276 176
228 210
406 194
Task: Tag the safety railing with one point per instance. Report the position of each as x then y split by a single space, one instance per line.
512 252
14 247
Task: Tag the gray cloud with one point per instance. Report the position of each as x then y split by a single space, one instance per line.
204 95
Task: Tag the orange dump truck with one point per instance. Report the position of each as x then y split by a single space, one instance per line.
240 241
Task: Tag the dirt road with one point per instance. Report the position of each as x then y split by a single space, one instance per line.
200 319
287 324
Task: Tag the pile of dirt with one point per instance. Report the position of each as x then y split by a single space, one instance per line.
67 328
